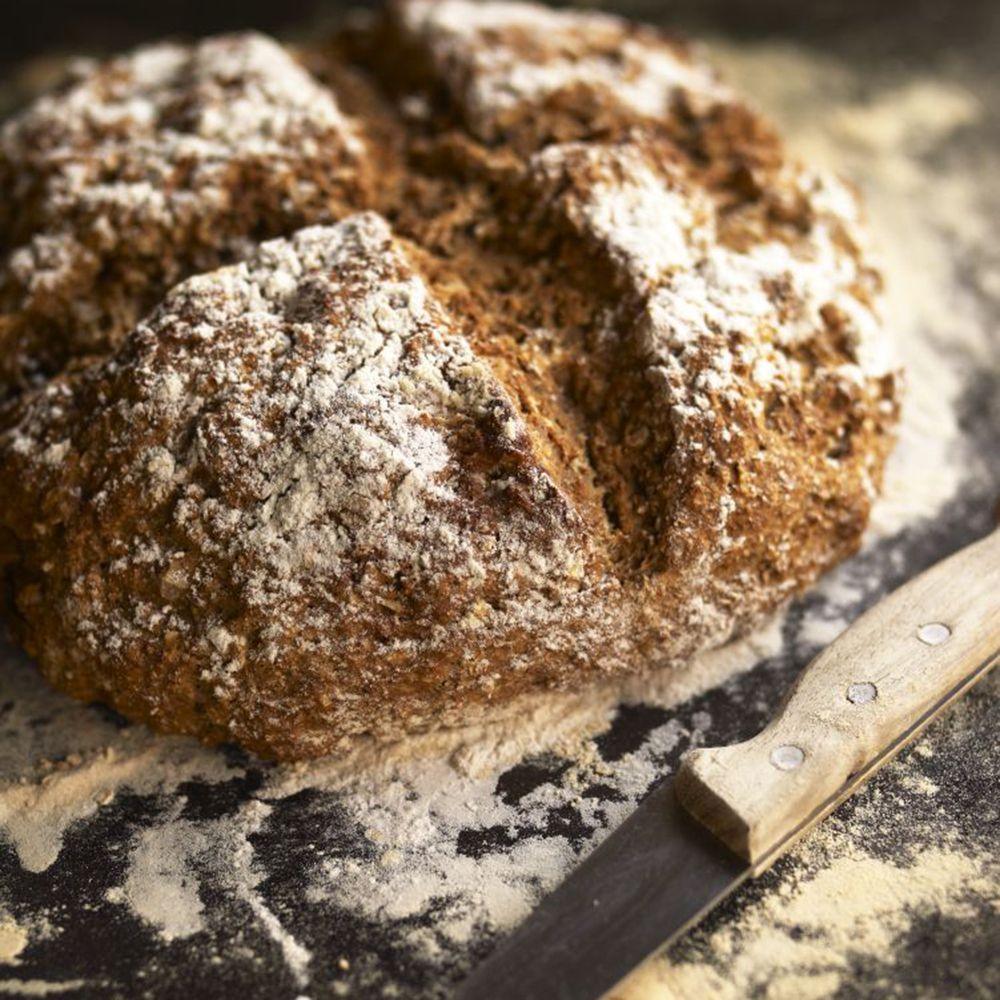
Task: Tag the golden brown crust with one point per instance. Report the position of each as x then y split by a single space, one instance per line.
598 382
143 170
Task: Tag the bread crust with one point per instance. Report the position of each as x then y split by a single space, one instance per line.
560 368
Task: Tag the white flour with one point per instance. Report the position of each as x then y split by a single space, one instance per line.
413 798
842 903
495 75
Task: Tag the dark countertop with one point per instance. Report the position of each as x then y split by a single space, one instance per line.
272 864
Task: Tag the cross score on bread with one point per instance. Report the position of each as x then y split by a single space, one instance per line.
481 350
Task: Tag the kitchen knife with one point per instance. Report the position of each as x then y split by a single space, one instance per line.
853 708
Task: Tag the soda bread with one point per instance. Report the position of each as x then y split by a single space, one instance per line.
479 350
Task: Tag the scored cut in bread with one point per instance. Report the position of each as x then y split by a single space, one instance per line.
479 350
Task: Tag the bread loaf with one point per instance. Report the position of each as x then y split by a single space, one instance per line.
478 350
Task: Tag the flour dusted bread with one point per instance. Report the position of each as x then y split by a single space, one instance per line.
147 168
537 360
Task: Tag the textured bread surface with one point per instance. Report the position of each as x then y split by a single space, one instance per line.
478 350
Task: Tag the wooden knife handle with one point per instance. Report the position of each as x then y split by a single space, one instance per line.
853 708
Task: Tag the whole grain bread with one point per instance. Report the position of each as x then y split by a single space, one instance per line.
477 350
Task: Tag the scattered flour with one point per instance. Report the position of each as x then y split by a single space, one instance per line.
13 940
160 886
36 814
855 905
410 797
39 987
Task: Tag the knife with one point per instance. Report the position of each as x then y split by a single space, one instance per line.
732 811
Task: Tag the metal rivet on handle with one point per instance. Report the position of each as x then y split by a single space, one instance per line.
862 693
787 757
934 633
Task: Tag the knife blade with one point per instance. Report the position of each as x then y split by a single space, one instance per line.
732 811
656 875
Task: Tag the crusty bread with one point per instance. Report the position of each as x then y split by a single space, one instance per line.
559 368
149 168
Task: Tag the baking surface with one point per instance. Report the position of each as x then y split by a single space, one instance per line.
135 865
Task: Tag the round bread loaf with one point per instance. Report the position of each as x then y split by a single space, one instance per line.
505 349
